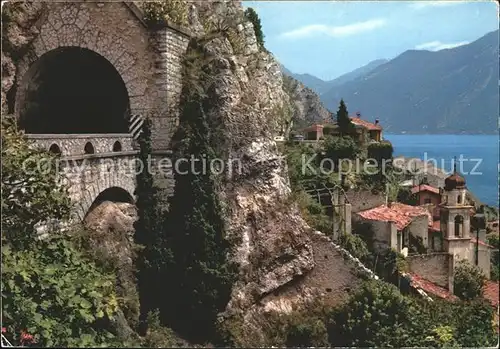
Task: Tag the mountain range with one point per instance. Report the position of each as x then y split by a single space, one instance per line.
448 91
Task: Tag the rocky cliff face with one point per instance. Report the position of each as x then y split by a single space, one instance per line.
18 31
281 259
308 108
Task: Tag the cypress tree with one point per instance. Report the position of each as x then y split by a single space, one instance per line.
155 255
201 274
346 127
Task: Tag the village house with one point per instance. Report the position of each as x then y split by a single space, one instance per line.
397 226
434 235
366 131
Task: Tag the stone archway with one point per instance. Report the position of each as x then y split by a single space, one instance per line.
71 90
112 210
120 40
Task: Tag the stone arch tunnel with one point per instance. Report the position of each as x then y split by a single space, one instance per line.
73 90
88 71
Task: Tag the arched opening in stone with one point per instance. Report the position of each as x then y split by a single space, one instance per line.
72 90
113 194
89 148
117 146
459 220
54 149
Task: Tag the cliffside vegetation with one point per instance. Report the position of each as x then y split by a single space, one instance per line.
253 17
50 288
160 12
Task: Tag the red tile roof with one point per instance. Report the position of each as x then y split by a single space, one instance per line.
430 287
424 187
398 213
490 292
366 124
482 243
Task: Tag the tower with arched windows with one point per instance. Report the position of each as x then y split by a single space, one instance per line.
455 215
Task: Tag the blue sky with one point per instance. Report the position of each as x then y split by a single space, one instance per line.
330 38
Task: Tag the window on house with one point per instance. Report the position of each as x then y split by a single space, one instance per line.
459 199
427 201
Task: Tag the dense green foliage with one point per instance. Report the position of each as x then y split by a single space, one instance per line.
494 241
340 148
380 152
377 314
29 189
55 293
346 127
253 17
468 281
49 288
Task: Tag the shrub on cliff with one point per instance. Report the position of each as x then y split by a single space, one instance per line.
468 281
159 12
253 17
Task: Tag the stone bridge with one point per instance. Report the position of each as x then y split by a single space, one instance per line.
92 66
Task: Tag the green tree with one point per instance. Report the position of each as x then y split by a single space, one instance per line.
346 127
468 281
201 275
253 17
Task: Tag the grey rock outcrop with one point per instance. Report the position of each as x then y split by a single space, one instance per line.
307 106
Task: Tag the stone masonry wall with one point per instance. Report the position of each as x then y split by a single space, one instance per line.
364 200
75 144
91 175
171 44
434 267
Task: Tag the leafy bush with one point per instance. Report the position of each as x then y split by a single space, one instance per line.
468 281
55 293
380 152
159 12
340 148
495 256
355 245
29 187
49 288
375 315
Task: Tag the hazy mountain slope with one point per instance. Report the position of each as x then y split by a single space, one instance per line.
448 91
356 73
321 86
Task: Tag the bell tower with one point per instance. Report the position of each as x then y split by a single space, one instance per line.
455 215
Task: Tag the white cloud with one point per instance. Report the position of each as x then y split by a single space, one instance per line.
438 45
335 31
418 5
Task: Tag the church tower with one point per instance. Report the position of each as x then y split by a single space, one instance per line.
455 215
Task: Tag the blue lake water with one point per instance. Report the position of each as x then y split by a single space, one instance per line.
483 181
